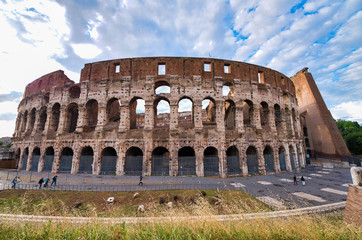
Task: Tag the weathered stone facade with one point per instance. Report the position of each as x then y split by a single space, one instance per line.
94 126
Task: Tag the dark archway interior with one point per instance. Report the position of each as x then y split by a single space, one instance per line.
160 161
232 161
134 159
211 162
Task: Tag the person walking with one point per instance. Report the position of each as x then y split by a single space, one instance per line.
14 182
54 180
141 181
41 181
295 180
46 182
18 182
302 180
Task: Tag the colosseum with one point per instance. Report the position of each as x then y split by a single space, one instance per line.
171 116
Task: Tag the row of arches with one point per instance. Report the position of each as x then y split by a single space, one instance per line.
161 110
134 163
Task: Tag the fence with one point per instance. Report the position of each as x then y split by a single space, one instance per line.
351 159
121 188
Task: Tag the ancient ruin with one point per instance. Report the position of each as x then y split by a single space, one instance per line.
161 116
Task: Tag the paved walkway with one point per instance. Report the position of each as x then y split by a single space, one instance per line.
323 185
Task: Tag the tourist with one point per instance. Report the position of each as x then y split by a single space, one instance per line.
18 182
54 181
14 182
141 180
46 182
302 180
295 180
41 182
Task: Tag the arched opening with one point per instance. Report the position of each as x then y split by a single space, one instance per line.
86 160
291 156
161 108
137 113
208 111
66 160
248 112
185 113
252 160
160 161
25 120
299 156
305 132
91 115
25 159
308 156
162 87
113 110
55 116
108 161
186 161
268 157
42 118
211 162
134 159
264 114
32 119
229 115
18 119
277 115
228 89
48 159
283 165
72 117
232 161
74 92
35 161
307 143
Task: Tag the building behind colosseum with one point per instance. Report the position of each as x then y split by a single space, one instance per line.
225 118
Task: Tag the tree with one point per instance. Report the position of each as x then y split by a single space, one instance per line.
352 135
1 143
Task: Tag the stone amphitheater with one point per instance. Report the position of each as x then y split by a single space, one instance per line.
171 116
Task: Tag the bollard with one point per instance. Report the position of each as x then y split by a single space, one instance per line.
31 174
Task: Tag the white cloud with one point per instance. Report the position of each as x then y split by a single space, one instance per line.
351 111
7 128
86 50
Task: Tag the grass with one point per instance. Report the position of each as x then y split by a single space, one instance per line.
94 204
329 226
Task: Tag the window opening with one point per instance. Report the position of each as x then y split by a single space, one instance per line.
118 68
260 77
161 69
226 68
207 67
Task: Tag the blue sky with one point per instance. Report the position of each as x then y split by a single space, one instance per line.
38 37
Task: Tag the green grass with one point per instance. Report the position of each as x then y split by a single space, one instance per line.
329 226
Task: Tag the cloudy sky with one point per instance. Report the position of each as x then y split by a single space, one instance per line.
38 37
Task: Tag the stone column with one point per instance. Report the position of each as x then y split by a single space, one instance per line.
222 160
120 162
173 160
36 123
256 117
62 125
27 122
287 158
124 118
198 113
199 154
75 161
102 118
97 160
261 160
147 155
149 115
239 118
82 118
21 160
173 116
41 161
276 159
220 116
56 161
30 159
48 121
271 119
243 161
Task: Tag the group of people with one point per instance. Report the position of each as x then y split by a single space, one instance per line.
16 182
301 179
47 180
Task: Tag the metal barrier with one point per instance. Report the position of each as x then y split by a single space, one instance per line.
252 161
233 166
269 163
283 166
